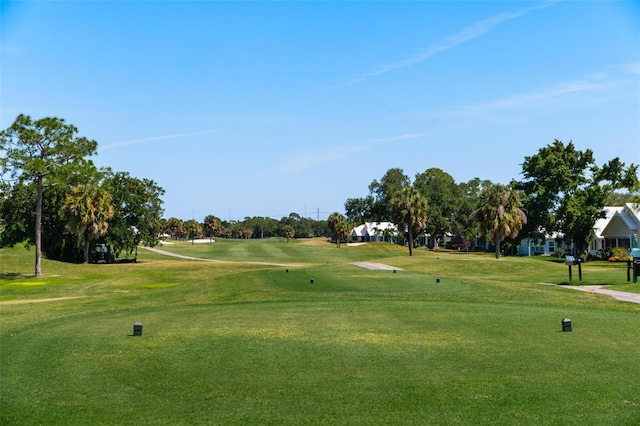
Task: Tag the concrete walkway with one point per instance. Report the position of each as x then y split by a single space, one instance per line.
619 295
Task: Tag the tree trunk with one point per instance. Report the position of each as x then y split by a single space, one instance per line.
497 249
86 250
410 242
38 236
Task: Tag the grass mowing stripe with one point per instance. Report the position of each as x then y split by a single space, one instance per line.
239 344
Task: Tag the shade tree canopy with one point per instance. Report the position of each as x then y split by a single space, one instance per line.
383 191
137 212
566 191
445 201
360 210
42 152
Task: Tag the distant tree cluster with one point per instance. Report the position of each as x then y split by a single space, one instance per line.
251 227
54 198
433 204
563 191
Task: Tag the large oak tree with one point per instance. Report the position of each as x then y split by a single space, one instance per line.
444 201
566 191
138 210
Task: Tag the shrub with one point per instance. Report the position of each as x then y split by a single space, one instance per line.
558 252
619 254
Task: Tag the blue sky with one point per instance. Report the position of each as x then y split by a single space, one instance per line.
266 108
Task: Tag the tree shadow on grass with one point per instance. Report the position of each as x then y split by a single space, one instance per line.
13 276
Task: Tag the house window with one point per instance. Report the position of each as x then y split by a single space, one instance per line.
617 242
552 246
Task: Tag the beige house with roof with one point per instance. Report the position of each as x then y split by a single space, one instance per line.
619 228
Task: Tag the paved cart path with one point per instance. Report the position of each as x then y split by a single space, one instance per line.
181 256
367 265
619 295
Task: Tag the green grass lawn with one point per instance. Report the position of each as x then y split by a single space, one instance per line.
234 343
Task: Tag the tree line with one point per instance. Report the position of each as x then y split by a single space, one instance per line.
563 191
290 226
48 182
53 197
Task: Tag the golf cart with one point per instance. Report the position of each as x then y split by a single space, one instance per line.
102 253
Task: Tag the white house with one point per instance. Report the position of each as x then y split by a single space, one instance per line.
619 228
547 246
374 231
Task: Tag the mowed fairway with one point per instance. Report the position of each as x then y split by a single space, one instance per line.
234 343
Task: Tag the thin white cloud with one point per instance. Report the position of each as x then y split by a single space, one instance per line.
9 49
629 68
398 138
303 161
593 89
475 30
155 138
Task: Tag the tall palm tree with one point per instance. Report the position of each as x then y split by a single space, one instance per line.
500 214
193 229
409 209
211 226
343 230
88 209
175 228
288 231
339 226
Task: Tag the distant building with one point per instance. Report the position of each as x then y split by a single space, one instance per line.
619 228
375 231
547 246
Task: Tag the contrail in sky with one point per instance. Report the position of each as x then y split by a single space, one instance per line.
467 34
399 138
155 138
